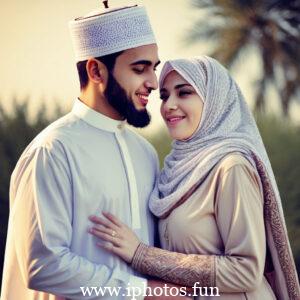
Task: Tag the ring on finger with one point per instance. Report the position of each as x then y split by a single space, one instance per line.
113 234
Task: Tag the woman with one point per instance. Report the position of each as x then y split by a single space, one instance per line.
220 215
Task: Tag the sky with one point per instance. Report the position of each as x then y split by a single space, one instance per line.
37 60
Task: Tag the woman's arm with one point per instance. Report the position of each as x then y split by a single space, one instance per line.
177 268
239 215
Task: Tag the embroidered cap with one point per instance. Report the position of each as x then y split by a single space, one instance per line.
109 31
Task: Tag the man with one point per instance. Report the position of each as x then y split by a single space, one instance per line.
85 163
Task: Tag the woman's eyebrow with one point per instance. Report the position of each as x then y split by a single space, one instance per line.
178 86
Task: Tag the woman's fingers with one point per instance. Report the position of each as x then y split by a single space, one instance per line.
109 237
113 219
106 230
104 222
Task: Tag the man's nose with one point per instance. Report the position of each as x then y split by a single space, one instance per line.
152 83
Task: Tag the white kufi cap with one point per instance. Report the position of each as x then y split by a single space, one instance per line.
110 31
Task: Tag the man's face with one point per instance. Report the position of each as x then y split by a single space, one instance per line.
134 78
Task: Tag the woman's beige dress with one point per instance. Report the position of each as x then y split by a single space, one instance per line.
222 223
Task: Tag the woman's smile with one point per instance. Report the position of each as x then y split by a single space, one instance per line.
174 120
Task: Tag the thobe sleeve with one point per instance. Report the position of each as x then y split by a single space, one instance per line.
239 215
42 220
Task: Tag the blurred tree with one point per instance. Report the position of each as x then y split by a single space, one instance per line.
271 26
282 141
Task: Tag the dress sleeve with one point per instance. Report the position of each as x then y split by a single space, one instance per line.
42 220
239 215
174 267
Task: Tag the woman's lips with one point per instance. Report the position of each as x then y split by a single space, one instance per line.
174 120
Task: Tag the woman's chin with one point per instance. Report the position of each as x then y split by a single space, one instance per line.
179 136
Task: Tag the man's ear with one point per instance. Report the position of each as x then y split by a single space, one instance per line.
97 71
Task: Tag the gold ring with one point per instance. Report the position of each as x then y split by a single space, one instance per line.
113 234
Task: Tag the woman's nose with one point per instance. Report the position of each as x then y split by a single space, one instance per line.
171 103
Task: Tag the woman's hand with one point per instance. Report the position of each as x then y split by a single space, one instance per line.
122 240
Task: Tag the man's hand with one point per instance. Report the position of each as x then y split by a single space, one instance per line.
168 290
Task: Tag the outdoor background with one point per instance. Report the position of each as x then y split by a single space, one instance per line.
259 41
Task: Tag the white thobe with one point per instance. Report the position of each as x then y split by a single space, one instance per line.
82 164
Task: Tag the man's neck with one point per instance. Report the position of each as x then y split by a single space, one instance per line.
99 104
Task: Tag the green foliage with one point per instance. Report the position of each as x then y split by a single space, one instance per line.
282 141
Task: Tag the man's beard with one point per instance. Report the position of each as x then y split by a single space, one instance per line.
118 99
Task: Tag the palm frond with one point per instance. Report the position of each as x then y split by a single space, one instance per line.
272 26
232 41
202 4
200 34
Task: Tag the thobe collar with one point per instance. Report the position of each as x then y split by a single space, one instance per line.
95 118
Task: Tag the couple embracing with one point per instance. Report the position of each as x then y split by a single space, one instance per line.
87 197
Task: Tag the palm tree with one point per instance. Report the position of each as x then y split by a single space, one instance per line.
272 27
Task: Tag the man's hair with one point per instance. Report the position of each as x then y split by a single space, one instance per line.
108 60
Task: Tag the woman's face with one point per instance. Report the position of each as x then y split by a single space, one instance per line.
181 106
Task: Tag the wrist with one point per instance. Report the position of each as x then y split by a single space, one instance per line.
137 258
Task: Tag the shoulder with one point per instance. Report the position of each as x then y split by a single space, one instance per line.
235 167
53 138
234 160
48 147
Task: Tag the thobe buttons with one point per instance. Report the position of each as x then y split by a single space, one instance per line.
121 125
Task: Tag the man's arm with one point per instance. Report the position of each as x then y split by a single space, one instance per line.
41 215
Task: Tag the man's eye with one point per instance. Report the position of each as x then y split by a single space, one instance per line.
138 70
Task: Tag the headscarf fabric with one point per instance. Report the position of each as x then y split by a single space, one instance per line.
226 126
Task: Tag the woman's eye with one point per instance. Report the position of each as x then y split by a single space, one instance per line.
185 93
163 97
